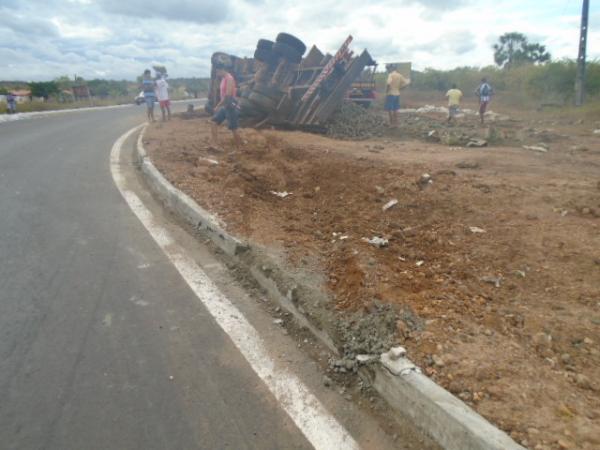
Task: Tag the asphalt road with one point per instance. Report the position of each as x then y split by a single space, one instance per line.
89 354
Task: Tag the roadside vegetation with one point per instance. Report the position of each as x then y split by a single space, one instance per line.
69 93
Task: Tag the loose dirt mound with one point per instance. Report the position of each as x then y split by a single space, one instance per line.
492 268
355 122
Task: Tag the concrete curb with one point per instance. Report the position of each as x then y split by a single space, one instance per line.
439 414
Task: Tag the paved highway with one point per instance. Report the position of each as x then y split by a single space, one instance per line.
102 345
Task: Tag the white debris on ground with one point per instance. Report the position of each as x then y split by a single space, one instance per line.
283 194
476 230
535 148
377 241
490 115
390 204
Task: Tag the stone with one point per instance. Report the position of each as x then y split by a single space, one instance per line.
588 341
327 382
565 358
582 381
396 353
438 361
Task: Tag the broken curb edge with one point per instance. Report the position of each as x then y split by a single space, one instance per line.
440 415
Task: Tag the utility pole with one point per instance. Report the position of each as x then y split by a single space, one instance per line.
580 80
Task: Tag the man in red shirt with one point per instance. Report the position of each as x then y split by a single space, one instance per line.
227 109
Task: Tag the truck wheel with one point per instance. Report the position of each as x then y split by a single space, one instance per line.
264 55
292 41
264 44
288 53
263 103
221 59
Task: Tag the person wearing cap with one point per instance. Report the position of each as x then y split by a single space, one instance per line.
227 108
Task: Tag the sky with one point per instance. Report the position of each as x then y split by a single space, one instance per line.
118 39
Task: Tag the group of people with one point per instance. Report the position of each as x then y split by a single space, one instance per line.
396 82
156 89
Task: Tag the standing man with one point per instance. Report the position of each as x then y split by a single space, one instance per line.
162 93
453 95
395 83
227 108
484 92
148 86
11 102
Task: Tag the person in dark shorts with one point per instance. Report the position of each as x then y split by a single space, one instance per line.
227 109
484 92
148 88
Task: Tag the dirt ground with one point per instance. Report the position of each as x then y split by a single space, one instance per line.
495 263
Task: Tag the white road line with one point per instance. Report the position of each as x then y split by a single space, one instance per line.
321 429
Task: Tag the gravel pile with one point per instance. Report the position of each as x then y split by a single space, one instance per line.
355 122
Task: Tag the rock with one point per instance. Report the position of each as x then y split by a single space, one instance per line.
327 382
582 381
565 358
588 341
396 353
564 444
278 321
380 190
438 361
424 181
349 364
542 340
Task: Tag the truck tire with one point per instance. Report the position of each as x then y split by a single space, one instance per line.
265 56
292 41
264 44
263 103
288 53
222 59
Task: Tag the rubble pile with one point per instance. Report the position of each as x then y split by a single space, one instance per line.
355 122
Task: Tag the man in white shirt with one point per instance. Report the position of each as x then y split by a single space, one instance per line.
162 94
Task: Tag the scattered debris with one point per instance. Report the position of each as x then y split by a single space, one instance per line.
420 263
424 181
377 241
278 321
476 230
283 194
535 148
477 143
390 204
492 280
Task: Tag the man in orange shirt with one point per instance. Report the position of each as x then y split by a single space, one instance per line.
227 109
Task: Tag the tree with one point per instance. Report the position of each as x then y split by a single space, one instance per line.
43 89
514 49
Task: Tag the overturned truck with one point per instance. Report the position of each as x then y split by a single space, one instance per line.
281 86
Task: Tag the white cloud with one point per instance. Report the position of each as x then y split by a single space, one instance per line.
119 38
